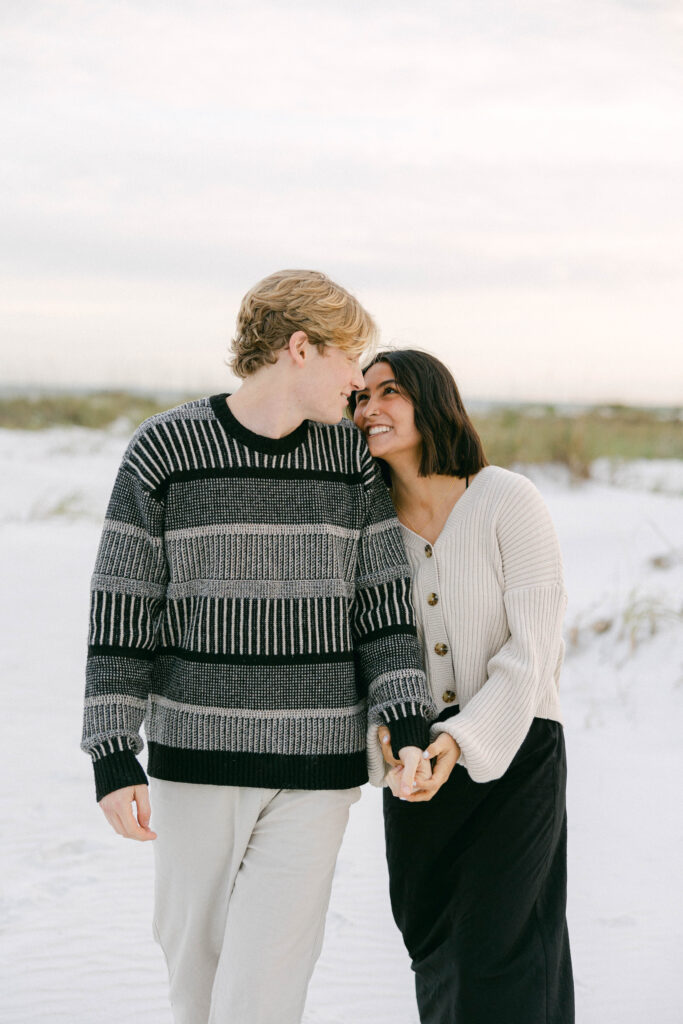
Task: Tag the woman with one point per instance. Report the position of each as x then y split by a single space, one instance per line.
477 857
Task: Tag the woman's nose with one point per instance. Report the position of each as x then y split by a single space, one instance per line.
371 407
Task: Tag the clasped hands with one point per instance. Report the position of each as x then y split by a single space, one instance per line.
413 778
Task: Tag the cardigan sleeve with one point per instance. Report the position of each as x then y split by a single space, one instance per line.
388 658
492 726
126 601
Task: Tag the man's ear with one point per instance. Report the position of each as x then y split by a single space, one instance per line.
298 347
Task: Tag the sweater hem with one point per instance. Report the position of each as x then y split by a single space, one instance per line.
266 771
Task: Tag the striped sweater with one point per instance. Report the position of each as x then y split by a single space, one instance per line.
251 604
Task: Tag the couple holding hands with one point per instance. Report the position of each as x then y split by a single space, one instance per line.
293 600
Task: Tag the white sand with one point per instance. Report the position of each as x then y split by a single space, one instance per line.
76 899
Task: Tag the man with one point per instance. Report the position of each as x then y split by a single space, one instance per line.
251 603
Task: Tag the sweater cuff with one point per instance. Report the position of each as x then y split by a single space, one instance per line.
117 770
408 731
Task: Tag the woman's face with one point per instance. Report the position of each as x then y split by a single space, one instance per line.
385 415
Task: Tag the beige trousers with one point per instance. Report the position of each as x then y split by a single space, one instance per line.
242 886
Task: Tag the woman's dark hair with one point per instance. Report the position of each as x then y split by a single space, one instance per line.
450 444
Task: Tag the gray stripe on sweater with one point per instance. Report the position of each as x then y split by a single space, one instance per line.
318 732
287 589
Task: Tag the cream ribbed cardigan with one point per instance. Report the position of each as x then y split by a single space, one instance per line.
496 571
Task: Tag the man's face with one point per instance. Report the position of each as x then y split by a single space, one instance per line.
332 375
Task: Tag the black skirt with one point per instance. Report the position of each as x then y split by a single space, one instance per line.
478 880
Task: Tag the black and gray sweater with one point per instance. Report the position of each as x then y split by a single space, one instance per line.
251 604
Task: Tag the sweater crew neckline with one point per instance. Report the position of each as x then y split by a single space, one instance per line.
257 442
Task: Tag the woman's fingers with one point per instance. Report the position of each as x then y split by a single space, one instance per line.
443 744
384 737
446 752
421 782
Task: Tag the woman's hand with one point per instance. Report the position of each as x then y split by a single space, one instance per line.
444 749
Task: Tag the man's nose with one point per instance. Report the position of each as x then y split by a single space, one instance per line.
357 382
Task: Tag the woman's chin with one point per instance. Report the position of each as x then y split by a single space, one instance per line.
379 446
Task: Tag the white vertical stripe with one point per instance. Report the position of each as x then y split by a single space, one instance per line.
93 617
122 623
323 602
141 615
200 450
216 438
202 426
284 624
308 622
176 611
341 462
175 428
266 617
111 619
165 430
333 623
159 438
299 608
190 444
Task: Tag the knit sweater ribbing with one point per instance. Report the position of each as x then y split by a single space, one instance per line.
496 574
251 602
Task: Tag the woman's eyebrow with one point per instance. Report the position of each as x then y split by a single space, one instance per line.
381 385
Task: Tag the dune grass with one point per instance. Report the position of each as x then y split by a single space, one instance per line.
96 409
530 434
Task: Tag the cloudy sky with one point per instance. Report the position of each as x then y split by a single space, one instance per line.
499 182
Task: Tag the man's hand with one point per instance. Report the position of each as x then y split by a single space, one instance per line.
409 773
424 784
118 810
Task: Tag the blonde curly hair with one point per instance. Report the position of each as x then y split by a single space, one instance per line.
297 300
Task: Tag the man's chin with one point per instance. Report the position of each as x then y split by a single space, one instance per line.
329 415
329 418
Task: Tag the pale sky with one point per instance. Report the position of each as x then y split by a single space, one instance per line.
500 183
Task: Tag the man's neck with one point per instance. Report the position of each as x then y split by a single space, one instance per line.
266 407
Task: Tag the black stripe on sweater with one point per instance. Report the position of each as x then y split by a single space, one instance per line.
270 771
405 629
253 473
324 658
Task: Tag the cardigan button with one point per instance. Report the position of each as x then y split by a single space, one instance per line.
448 696
433 599
441 649
428 550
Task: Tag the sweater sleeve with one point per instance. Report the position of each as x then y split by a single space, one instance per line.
127 598
492 726
388 658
